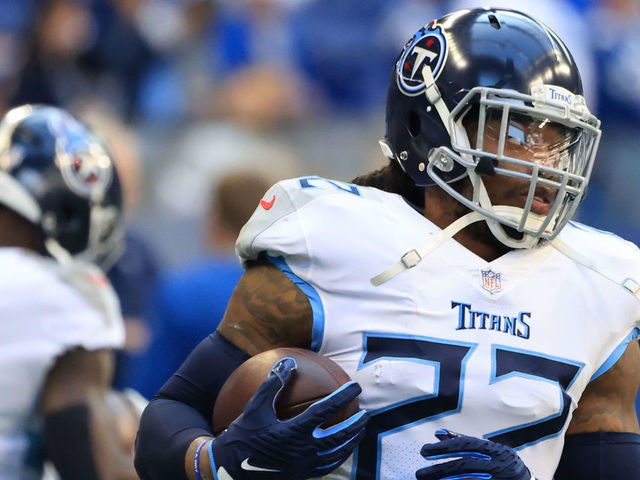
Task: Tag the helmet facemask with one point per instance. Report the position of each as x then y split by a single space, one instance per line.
548 140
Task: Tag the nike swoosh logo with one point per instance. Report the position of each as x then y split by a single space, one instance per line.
245 465
267 205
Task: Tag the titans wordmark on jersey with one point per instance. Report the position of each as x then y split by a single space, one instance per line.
433 347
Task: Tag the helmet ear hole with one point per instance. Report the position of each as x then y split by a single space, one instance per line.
414 123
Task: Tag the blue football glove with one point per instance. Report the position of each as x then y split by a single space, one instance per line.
475 459
257 445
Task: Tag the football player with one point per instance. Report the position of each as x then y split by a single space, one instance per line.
451 286
60 210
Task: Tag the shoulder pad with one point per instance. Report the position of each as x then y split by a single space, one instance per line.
88 281
601 243
603 252
88 309
282 201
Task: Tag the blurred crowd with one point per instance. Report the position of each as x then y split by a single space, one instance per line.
189 94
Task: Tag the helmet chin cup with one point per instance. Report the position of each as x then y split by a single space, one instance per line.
530 225
533 222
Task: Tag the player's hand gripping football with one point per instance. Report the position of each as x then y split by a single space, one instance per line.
472 458
257 445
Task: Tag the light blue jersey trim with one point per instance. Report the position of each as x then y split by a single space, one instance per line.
587 228
617 353
317 333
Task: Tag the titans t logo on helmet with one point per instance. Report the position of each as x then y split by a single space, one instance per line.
85 165
427 47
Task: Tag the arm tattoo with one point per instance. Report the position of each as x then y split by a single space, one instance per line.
267 311
607 403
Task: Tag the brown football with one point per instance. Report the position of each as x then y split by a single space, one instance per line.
316 377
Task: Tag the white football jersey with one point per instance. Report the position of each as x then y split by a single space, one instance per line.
500 350
47 309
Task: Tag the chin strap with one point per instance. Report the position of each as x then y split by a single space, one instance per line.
628 283
433 96
57 251
413 257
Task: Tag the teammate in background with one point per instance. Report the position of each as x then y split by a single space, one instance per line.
449 284
60 209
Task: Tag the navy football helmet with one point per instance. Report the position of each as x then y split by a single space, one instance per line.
476 81
56 174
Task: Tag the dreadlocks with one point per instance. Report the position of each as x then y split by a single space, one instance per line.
392 179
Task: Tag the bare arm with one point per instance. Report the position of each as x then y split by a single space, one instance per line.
82 377
608 403
265 311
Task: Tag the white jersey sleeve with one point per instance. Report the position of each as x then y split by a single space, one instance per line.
274 227
279 225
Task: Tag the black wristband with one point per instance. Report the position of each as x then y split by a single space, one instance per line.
201 376
183 408
68 444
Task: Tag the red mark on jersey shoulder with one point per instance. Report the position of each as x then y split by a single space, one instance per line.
96 279
267 205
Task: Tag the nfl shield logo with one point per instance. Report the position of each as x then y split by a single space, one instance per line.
491 281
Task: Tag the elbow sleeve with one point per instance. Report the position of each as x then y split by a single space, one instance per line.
182 409
167 427
600 456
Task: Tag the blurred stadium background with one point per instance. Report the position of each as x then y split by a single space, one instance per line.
194 87
185 90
